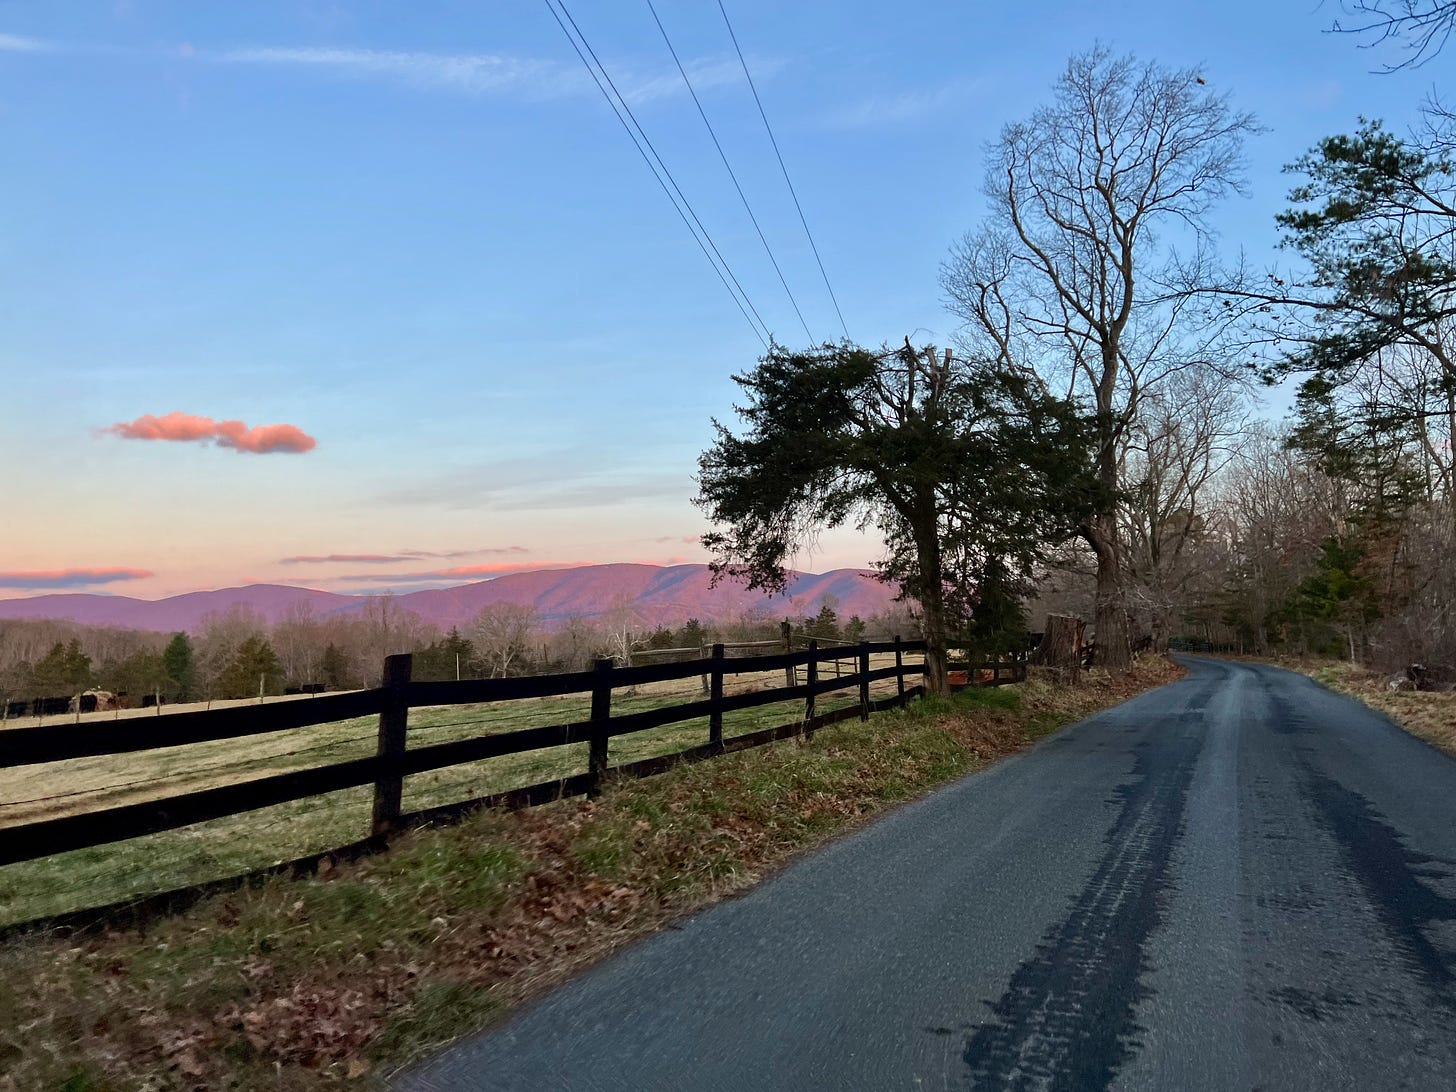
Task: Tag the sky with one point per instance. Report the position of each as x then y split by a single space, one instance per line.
371 296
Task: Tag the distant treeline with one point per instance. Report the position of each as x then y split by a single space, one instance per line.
44 665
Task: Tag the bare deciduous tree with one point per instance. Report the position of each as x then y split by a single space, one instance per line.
220 637
1420 26
501 633
1078 272
1187 432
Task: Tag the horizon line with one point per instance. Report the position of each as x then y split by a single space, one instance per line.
404 579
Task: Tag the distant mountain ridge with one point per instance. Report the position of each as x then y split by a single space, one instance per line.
658 595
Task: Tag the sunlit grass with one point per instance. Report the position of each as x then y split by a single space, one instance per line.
240 844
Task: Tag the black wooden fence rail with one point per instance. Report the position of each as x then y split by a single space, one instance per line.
394 759
1002 672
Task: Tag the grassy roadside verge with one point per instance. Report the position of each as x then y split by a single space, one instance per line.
349 974
1431 716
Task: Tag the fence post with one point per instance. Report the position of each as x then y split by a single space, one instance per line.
864 681
601 712
899 671
787 629
703 655
715 695
393 726
812 674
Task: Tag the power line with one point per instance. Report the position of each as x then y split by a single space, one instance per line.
724 157
762 334
783 168
654 169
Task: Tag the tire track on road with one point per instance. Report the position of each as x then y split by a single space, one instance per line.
1066 1019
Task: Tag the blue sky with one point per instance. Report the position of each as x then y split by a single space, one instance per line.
417 234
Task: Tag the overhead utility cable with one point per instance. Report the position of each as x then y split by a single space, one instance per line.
659 170
724 157
783 168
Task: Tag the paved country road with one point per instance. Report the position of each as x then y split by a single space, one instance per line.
1238 881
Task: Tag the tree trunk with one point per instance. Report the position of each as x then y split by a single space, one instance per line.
1113 647
932 606
937 677
1061 647
1162 631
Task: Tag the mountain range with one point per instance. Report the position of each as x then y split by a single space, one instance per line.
657 595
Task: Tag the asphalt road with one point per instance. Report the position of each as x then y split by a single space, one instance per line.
1239 881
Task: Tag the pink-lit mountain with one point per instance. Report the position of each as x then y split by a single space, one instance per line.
657 596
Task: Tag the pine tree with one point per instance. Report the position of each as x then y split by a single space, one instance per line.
181 667
824 626
335 668
254 664
64 670
692 635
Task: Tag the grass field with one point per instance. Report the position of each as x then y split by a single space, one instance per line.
242 843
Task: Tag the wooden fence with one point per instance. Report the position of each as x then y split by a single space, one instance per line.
394 759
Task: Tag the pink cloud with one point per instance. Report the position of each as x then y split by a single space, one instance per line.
188 427
70 578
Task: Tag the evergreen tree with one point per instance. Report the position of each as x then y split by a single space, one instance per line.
254 664
140 673
181 667
64 670
692 635
335 668
444 660
1336 603
961 463
824 626
998 621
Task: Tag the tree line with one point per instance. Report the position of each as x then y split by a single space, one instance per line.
239 654
1091 439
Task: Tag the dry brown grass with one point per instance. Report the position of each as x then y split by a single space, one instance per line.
345 975
1432 716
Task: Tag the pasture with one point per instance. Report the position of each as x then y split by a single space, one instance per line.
238 844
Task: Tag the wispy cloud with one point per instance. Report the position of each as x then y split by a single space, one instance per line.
370 583
461 73
463 574
471 72
355 559
705 72
178 427
905 107
565 478
447 554
487 73
69 578
403 555
505 568
15 43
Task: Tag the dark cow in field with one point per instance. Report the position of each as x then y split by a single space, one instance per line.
92 701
